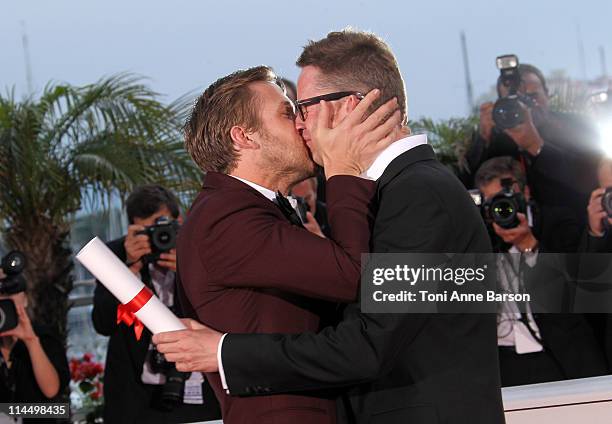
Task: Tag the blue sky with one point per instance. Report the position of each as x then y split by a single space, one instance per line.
184 45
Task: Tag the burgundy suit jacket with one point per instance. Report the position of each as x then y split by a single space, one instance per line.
245 269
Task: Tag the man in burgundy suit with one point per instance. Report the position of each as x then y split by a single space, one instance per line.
245 262
396 368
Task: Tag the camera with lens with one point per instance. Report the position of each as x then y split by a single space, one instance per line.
503 208
12 266
163 237
606 201
173 389
507 111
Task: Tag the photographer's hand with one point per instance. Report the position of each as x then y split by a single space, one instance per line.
526 135
24 330
136 246
597 213
485 128
194 349
168 260
45 373
521 236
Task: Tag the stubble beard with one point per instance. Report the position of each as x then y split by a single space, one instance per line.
293 166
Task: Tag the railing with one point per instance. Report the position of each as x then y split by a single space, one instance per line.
585 400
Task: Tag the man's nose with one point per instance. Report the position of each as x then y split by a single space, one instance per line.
299 123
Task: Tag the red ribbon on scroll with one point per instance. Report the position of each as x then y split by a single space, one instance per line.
126 313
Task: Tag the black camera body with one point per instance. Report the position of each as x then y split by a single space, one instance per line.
163 237
507 111
174 388
12 265
503 208
606 201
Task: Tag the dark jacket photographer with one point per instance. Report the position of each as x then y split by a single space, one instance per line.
597 237
33 364
312 211
557 150
536 347
595 258
135 389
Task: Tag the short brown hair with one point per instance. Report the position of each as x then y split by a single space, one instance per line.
500 167
357 60
227 102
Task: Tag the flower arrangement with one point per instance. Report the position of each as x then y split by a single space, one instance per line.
86 386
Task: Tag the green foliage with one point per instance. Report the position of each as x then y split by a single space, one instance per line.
449 138
94 139
76 146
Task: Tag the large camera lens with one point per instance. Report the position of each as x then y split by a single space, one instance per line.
174 388
504 213
606 201
13 263
163 238
507 113
504 207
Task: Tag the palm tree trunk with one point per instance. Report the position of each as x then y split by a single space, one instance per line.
48 271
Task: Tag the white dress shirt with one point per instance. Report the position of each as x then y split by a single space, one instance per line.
374 172
511 331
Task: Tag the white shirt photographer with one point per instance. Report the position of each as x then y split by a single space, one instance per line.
511 330
163 283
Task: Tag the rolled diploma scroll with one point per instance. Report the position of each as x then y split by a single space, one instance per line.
124 285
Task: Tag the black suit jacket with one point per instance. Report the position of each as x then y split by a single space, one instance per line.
404 368
126 397
594 262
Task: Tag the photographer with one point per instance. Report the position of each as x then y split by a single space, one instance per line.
557 150
597 238
534 347
596 247
33 364
139 386
313 210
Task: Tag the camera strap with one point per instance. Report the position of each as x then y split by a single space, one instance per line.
515 274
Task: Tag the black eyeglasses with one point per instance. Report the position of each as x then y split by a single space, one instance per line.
301 105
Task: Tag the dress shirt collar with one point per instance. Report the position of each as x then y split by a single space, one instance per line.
375 171
269 194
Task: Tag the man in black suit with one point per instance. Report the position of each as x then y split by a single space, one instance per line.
402 368
132 391
536 347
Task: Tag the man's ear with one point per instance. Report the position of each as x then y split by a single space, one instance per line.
341 109
351 103
242 139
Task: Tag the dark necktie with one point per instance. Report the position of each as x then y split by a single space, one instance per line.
287 210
